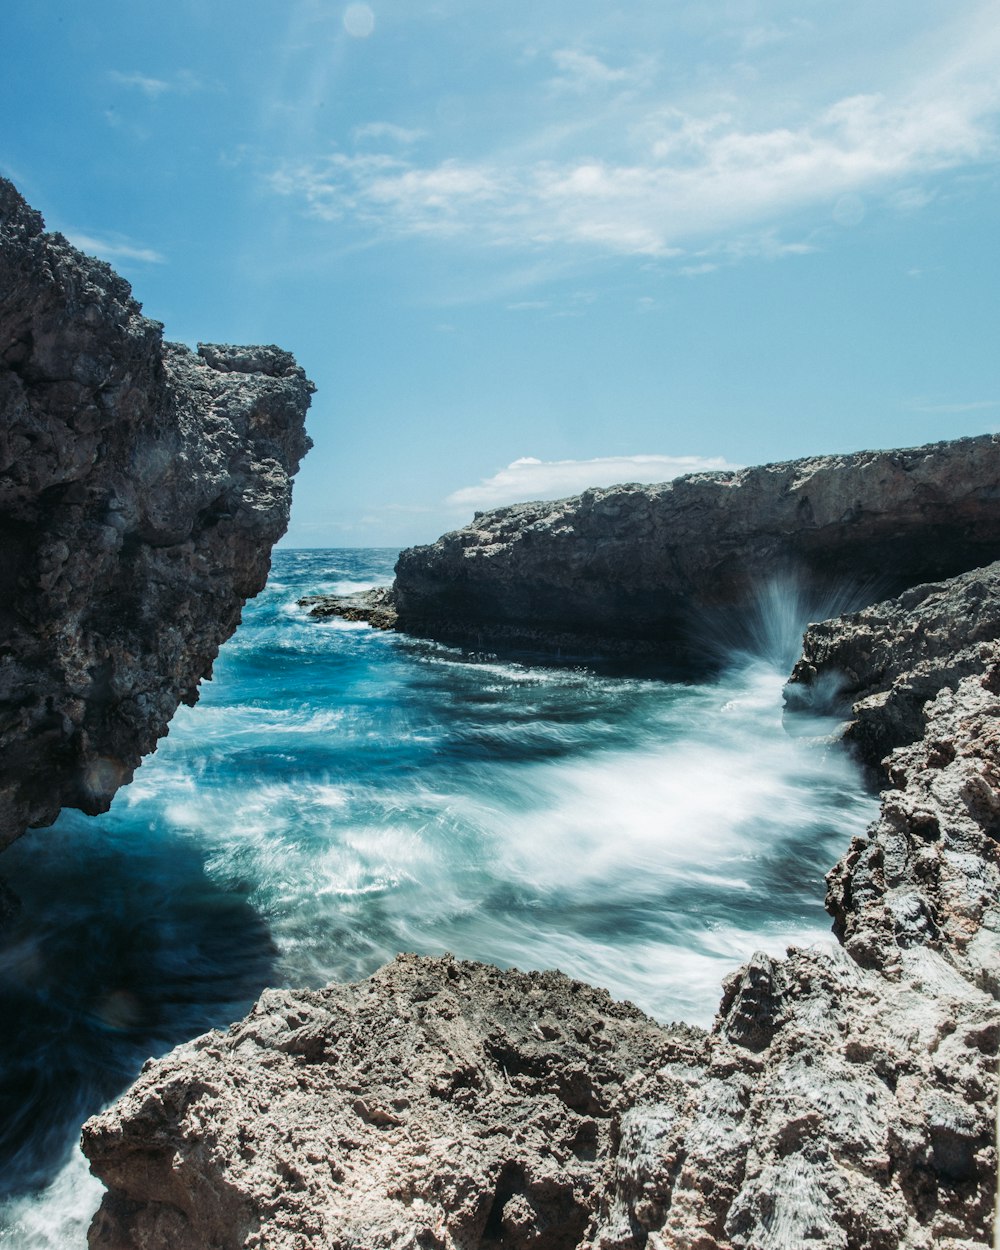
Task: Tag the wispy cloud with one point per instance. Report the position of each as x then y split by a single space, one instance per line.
528 478
387 130
184 82
581 71
115 248
700 177
975 405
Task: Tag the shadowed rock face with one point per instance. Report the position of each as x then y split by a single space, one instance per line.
141 489
627 567
843 1100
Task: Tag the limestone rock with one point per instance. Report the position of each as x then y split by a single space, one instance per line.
638 567
880 666
437 1104
142 487
849 1097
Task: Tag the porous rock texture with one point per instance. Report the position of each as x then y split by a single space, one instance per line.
628 567
878 667
438 1103
142 487
843 1100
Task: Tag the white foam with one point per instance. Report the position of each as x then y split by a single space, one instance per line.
59 1216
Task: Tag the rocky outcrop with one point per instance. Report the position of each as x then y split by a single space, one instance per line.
637 567
844 1099
436 1104
375 606
879 667
141 489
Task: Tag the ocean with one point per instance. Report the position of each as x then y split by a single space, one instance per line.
341 794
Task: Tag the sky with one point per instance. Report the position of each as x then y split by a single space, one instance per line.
523 248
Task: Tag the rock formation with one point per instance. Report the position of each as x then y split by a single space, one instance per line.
880 666
141 489
843 1100
636 567
438 1103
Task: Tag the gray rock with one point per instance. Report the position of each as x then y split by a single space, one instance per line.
436 1104
641 567
880 666
142 487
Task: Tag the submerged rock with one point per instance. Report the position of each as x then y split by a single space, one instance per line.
639 567
142 486
844 1098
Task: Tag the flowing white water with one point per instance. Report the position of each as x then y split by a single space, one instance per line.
340 795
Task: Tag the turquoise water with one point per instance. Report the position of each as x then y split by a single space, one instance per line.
341 794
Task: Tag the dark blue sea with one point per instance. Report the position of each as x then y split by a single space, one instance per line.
340 794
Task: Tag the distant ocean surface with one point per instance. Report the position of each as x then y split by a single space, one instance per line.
340 794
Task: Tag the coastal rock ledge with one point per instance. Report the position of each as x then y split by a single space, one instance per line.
648 569
844 1099
142 486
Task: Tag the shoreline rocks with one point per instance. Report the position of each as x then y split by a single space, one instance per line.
844 1099
437 1103
640 568
142 486
880 666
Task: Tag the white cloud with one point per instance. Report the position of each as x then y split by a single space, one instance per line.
653 175
182 83
528 478
976 405
699 178
116 248
387 130
580 71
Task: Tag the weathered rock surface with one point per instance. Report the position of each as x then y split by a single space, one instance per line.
629 566
879 667
844 1100
141 489
375 606
436 1104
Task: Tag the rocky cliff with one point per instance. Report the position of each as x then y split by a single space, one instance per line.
142 487
635 567
843 1100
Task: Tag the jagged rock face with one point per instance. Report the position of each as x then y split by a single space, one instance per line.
879 667
142 487
436 1104
842 1101
630 564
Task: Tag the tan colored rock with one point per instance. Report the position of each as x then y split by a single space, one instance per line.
437 1104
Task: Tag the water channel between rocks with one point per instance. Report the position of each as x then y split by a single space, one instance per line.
341 794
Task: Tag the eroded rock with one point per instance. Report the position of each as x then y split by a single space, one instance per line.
142 487
880 666
639 567
437 1104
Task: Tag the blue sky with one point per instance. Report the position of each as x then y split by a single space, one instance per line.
526 247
